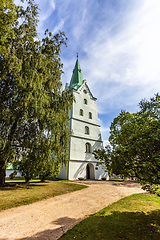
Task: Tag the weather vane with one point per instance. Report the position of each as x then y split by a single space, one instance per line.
77 55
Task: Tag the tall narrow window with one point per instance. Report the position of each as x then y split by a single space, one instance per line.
81 112
86 130
90 115
85 101
88 147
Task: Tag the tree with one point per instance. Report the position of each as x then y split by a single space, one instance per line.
7 18
104 158
135 143
33 108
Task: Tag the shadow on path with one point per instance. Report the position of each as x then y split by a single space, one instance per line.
63 224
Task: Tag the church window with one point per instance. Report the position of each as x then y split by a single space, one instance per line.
90 115
84 91
85 101
86 130
81 112
88 147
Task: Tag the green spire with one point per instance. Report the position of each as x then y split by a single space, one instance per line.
77 78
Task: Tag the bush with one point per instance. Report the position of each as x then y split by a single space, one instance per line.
152 188
81 178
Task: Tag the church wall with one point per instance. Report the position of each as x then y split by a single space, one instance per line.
78 169
83 117
99 173
79 158
78 149
78 129
91 106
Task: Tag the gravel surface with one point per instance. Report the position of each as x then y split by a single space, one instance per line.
49 219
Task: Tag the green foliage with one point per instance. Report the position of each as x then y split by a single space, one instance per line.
133 217
33 108
7 18
152 188
104 158
135 141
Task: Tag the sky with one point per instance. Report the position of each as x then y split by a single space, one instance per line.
118 43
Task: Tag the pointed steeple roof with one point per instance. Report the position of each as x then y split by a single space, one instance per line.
77 78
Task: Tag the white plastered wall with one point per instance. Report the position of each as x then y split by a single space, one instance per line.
78 169
78 156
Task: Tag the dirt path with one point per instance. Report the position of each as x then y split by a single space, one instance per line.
50 218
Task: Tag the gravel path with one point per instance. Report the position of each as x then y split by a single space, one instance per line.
49 219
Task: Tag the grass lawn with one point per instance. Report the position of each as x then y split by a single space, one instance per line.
136 217
19 193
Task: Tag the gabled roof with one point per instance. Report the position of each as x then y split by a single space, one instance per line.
85 86
77 78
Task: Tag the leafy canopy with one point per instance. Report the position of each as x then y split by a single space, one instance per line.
33 107
135 143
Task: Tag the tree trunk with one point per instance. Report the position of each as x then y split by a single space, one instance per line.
43 178
2 173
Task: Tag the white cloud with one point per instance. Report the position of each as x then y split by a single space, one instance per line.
52 4
58 27
128 60
47 7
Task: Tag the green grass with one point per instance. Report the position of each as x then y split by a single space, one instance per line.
19 193
136 217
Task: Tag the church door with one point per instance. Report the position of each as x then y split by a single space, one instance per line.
88 172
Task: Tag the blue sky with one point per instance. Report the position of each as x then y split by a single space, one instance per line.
118 42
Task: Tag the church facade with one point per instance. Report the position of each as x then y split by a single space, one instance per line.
85 132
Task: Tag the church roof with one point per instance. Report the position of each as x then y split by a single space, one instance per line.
77 78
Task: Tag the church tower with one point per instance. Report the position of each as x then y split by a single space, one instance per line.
85 132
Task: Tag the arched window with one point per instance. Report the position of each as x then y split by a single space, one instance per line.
85 101
86 130
90 115
85 91
81 112
88 147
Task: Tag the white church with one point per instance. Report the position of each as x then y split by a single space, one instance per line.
85 132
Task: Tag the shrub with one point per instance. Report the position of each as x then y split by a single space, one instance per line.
81 178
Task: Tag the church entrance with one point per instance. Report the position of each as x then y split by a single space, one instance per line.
90 171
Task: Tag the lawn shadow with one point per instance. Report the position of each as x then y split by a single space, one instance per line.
61 225
117 225
22 185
